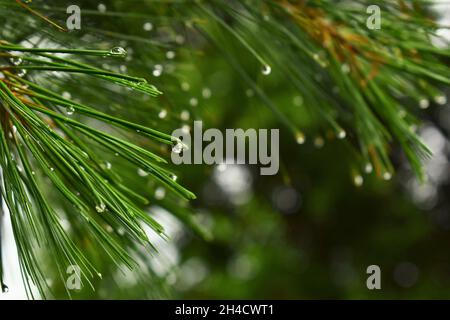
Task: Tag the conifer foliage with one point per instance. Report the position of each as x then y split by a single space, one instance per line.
83 110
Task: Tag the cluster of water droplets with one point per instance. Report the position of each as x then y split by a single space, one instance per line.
101 207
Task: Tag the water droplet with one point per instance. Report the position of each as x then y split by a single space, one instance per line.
162 114
184 115
100 207
21 72
298 101
249 93
341 134
387 176
441 99
179 39
174 177
300 138
177 148
358 180
33 173
156 73
266 69
206 93
108 165
160 193
142 173
70 110
170 54
186 128
99 275
319 142
101 8
424 103
118 52
368 168
320 59
148 26
185 86
116 154
345 68
16 60
66 95
193 102
52 169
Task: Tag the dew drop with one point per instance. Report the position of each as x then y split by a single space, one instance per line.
193 102
21 72
66 95
118 52
185 86
99 275
70 110
174 177
16 60
300 138
368 168
319 142
358 180
156 73
387 176
441 99
52 169
160 193
206 93
142 173
320 59
162 114
179 39
424 103
177 148
341 134
266 69
170 54
298 101
345 68
101 8
184 115
186 128
108 165
148 26
100 207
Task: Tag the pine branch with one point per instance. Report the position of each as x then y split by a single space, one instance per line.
364 87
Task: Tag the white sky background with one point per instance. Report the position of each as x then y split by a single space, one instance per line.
12 276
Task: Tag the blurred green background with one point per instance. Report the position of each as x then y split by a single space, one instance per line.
307 232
